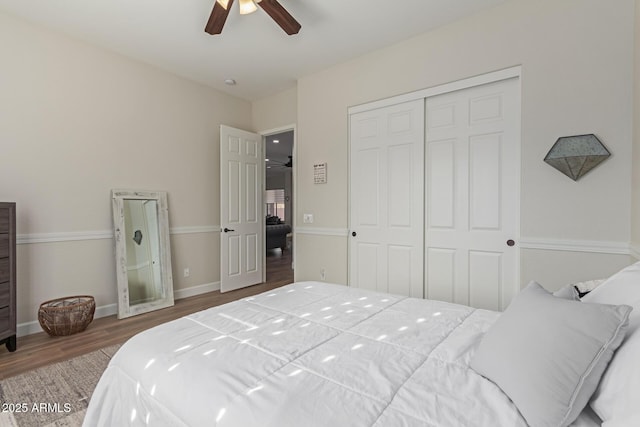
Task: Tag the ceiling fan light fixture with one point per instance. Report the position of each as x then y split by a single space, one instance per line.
224 3
272 8
247 7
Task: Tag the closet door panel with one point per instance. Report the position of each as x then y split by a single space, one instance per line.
473 200
386 218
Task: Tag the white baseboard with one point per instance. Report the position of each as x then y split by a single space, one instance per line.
34 327
635 251
196 290
28 328
106 310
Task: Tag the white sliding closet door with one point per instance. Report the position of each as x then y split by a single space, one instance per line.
472 187
387 199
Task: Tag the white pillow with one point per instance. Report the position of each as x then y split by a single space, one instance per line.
616 400
588 285
568 292
547 354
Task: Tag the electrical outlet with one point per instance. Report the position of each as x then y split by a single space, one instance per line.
307 218
323 274
186 272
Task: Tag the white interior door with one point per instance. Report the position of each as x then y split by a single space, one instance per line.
472 205
386 194
241 220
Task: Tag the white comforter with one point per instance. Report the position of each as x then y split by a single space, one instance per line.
307 354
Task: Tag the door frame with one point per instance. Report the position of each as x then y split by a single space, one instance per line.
479 80
264 134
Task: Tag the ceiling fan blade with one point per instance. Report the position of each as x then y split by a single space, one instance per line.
218 18
281 16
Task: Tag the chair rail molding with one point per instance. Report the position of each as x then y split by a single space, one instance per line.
548 244
70 236
322 231
568 245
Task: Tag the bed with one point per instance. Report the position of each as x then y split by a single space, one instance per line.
309 354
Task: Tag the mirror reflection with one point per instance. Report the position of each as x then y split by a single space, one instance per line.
142 251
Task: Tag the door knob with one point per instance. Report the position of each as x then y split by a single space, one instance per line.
510 242
354 234
226 230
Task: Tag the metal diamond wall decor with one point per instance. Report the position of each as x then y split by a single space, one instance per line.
576 155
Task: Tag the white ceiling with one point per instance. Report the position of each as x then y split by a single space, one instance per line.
252 49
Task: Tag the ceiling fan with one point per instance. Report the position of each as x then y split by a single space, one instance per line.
283 165
272 7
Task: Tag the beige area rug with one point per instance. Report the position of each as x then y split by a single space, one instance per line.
53 396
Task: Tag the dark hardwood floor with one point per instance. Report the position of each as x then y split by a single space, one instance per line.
40 349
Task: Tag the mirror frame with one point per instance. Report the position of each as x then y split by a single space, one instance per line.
118 197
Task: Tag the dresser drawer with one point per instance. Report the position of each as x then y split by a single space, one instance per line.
5 268
4 319
5 214
4 245
4 294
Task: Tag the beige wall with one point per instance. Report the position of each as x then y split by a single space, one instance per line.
77 121
275 112
635 218
576 58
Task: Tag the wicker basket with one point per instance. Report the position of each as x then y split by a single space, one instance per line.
66 316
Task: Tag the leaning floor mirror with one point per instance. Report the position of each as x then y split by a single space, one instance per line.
143 254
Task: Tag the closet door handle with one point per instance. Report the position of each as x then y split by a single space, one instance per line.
226 230
510 242
354 234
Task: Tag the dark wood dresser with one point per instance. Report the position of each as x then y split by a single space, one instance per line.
8 275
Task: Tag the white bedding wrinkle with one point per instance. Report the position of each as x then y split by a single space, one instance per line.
306 354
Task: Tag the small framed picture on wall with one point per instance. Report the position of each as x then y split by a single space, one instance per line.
320 173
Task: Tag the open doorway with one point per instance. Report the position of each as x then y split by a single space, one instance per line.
279 205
